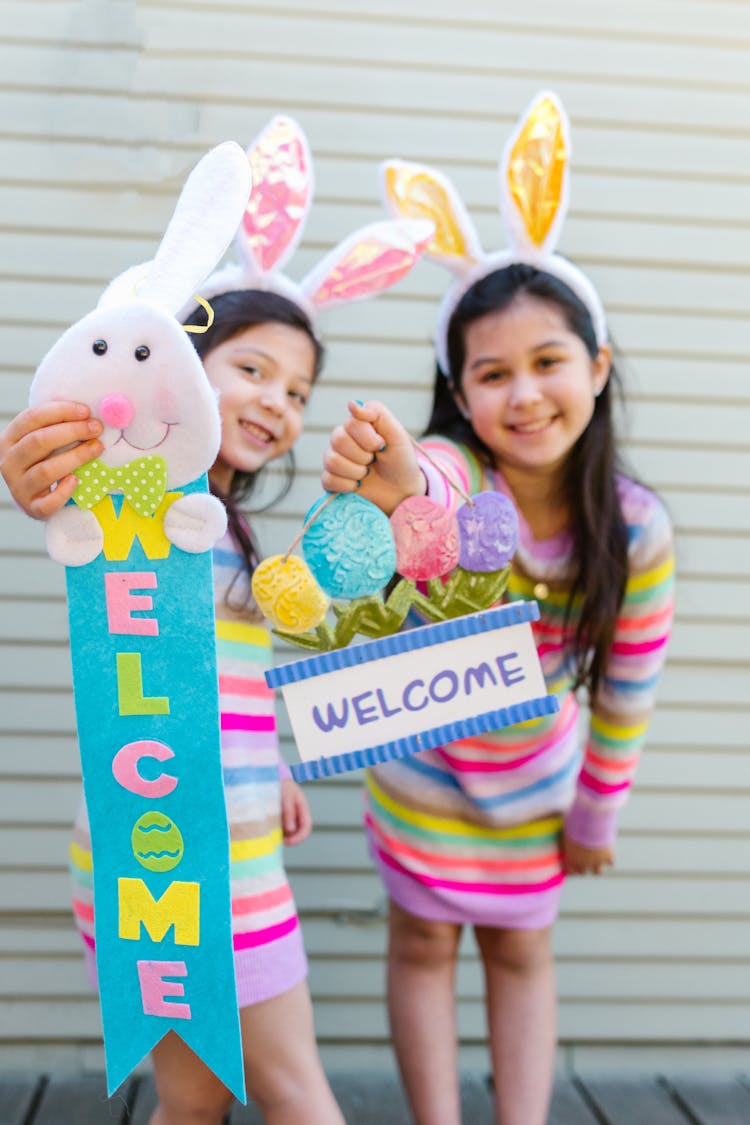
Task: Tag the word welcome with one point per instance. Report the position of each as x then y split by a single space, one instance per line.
179 905
372 705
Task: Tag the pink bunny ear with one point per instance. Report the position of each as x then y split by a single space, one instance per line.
370 260
282 187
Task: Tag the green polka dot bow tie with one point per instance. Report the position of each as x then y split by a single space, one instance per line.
142 482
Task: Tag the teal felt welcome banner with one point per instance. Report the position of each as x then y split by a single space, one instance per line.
143 647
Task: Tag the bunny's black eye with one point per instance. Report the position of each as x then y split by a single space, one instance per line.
99 347
142 352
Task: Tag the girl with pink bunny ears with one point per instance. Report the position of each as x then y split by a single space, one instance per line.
262 353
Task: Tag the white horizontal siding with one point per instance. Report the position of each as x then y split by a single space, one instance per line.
104 109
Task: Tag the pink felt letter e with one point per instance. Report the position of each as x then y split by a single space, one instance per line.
155 989
121 603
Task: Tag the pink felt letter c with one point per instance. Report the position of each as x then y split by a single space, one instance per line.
125 768
155 989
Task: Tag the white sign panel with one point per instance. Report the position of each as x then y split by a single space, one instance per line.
391 697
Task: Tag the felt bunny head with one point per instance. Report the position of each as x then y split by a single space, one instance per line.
534 171
368 261
130 360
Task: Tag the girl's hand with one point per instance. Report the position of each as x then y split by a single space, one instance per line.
373 454
296 821
30 464
580 860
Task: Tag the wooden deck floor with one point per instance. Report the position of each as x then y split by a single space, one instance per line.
371 1099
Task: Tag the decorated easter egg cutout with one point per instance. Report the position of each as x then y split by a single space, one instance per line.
426 538
349 547
489 532
287 594
157 842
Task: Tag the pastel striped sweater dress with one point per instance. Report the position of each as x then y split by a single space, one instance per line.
268 952
470 832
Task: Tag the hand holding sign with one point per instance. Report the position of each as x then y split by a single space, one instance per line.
478 670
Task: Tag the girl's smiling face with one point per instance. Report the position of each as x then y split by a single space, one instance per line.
528 385
264 376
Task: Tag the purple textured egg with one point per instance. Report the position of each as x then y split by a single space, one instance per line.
489 532
426 537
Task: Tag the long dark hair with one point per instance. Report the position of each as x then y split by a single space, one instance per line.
599 533
233 313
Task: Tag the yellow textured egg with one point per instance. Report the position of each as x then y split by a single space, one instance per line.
288 595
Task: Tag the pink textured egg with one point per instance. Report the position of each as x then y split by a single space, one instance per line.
426 537
489 532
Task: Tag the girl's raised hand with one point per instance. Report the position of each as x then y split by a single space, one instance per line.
43 447
372 453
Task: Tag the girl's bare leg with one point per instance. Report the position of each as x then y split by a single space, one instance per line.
422 1009
284 1074
521 1013
189 1093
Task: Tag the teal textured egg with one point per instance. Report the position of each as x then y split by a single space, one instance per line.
349 548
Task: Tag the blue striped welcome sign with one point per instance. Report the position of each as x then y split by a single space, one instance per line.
391 697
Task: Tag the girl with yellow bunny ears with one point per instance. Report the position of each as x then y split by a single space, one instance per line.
483 831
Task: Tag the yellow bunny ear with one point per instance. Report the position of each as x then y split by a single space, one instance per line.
414 191
534 176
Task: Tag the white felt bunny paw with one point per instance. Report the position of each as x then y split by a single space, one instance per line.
74 537
195 522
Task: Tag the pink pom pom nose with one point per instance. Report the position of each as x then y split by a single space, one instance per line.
116 411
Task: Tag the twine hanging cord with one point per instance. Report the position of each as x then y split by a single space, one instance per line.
332 496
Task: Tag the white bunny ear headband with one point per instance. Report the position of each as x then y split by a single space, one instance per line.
368 261
533 170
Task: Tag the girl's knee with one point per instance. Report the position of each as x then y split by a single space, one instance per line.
421 940
300 1096
520 951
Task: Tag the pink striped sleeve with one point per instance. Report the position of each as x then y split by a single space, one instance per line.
449 462
620 717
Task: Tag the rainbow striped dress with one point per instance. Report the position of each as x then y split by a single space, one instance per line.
269 955
470 832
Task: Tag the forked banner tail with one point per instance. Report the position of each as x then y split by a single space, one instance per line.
411 691
143 647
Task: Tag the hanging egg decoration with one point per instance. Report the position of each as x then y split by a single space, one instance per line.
288 595
488 529
349 547
460 560
426 538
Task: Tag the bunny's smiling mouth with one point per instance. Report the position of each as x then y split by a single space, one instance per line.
145 448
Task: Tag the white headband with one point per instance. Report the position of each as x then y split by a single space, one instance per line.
368 261
534 174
